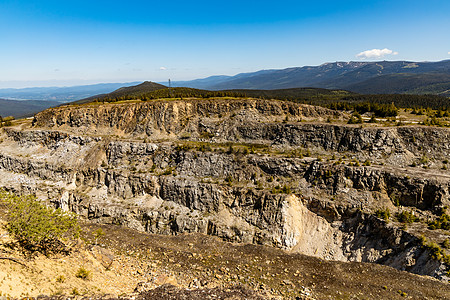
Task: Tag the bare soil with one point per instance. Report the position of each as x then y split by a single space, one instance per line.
126 263
197 261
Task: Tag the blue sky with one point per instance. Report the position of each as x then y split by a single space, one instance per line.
55 43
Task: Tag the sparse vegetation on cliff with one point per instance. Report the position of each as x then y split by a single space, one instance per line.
443 222
407 217
383 213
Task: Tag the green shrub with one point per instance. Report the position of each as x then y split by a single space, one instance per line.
286 189
355 119
424 159
281 190
98 234
407 217
308 153
83 273
443 222
395 198
433 121
435 251
168 171
37 227
204 148
401 293
206 135
7 121
383 213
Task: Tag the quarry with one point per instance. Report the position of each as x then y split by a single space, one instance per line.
291 178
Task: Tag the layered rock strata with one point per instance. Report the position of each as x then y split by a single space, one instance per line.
250 172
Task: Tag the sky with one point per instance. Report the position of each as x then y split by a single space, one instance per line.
64 43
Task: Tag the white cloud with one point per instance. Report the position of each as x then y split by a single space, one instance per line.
163 68
448 53
376 53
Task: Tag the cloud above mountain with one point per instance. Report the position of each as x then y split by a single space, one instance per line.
375 53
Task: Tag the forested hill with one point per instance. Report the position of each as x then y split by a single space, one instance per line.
125 92
23 108
405 83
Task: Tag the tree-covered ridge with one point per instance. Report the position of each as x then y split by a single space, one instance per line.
177 92
399 100
405 83
292 94
383 105
130 92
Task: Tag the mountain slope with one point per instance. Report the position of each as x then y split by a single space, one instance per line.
427 83
135 90
338 75
202 83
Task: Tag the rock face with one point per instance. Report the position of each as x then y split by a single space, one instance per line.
172 117
246 171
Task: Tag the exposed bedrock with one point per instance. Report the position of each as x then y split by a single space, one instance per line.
172 117
251 171
250 121
322 215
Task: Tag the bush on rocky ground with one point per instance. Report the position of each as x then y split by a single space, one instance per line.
37 227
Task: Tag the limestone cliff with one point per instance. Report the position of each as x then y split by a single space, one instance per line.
250 171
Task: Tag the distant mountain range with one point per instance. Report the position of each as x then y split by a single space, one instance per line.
28 101
360 77
382 77
62 94
23 108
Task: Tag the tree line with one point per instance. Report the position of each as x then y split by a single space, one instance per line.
382 105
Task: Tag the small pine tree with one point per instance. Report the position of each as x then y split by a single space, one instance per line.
355 119
37 227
